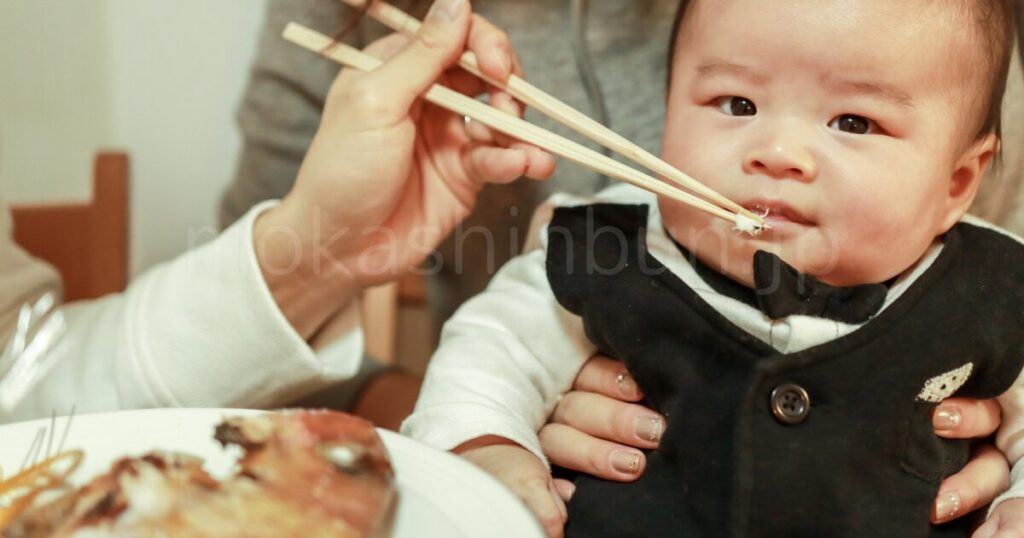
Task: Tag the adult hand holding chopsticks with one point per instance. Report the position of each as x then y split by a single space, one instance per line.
385 179
388 176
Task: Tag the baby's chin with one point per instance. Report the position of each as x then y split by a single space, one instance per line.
735 259
838 271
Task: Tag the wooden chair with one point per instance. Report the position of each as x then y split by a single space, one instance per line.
86 242
381 306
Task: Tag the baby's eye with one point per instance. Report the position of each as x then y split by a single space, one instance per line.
851 123
736 106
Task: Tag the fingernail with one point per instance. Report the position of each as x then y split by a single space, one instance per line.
947 504
504 58
626 461
446 10
570 490
627 385
946 417
649 427
565 490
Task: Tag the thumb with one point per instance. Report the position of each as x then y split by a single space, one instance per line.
438 44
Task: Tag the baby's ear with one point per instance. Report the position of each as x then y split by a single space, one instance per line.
963 185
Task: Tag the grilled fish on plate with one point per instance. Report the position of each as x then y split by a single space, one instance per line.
316 474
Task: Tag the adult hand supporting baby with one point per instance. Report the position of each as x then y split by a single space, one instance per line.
388 176
600 423
597 428
986 475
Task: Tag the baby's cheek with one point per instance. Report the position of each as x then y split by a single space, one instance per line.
866 238
874 250
868 209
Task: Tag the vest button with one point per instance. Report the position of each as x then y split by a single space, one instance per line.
790 403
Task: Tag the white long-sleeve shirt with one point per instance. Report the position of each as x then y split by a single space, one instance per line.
199 331
508 354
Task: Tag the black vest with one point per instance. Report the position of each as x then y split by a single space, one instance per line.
864 462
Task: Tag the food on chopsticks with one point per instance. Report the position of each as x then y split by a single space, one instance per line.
303 473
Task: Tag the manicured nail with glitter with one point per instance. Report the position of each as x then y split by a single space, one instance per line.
946 418
626 461
947 505
627 385
648 427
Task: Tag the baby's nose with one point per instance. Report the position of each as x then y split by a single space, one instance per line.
785 155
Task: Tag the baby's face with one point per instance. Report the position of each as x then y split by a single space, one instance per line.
846 119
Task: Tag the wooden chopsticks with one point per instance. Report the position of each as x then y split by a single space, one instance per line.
401 22
522 130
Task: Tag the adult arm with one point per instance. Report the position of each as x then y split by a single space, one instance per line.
385 179
180 335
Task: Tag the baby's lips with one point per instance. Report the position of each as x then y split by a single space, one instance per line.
777 211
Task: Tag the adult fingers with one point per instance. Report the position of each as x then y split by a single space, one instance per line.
479 131
492 48
517 65
464 82
962 418
437 45
487 164
980 481
610 419
570 448
542 164
609 377
539 164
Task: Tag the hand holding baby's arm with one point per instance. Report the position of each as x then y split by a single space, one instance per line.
521 472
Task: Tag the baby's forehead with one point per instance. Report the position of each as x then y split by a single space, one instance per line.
920 45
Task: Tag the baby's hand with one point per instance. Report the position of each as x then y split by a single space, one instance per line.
1006 521
525 475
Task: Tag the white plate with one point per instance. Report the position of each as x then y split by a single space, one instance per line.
440 495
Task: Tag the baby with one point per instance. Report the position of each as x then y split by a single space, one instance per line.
797 405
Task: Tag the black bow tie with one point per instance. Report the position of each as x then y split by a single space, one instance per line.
783 291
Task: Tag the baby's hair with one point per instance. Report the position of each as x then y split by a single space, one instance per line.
994 29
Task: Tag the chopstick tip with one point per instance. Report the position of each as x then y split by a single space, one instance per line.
750 226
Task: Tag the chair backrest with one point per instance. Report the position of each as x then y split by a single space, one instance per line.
381 306
86 242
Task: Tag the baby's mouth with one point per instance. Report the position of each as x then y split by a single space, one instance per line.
777 213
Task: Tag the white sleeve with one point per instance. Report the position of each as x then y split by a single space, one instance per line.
504 360
1010 439
199 331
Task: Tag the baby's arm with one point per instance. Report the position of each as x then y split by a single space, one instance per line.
504 360
1006 515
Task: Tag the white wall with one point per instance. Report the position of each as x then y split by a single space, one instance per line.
159 78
